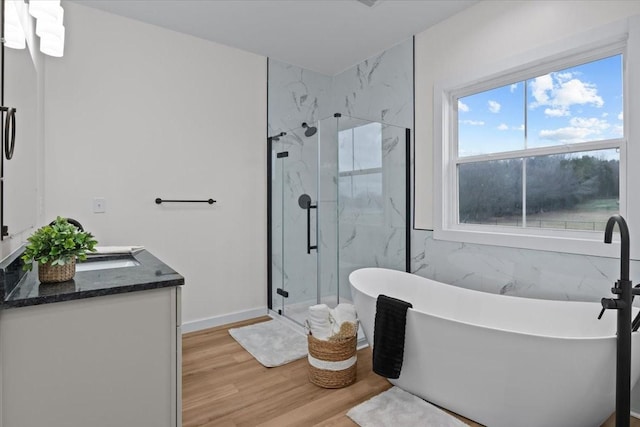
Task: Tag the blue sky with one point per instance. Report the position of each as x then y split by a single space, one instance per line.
577 104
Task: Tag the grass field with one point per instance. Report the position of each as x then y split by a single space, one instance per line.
591 215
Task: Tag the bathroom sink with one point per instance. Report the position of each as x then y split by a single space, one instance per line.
104 263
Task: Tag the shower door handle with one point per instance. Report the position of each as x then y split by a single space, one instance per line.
304 201
309 207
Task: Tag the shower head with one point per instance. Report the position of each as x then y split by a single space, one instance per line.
310 130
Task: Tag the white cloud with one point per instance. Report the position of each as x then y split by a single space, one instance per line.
604 115
494 106
564 76
541 88
560 91
472 122
513 87
568 134
504 126
556 112
462 107
575 91
580 129
620 116
592 123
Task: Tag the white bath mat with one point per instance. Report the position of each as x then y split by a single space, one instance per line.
395 407
272 343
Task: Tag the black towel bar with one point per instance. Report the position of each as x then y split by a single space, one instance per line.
159 201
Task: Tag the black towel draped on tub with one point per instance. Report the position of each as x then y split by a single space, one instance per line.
388 336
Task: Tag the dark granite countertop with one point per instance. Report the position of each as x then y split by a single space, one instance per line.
21 289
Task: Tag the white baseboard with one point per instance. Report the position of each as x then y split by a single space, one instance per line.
635 414
362 343
212 322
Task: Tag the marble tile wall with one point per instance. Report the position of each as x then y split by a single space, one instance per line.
379 89
517 272
295 96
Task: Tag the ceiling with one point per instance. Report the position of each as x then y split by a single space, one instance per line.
327 36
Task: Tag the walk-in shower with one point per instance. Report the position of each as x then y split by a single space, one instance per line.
337 201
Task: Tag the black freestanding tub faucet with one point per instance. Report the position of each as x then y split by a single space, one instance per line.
624 291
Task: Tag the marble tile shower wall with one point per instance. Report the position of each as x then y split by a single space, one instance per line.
296 95
379 89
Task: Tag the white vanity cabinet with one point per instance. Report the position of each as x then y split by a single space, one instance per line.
107 361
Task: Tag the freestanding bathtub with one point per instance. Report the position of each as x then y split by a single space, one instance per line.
499 360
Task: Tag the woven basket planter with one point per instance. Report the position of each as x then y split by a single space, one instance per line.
332 363
48 273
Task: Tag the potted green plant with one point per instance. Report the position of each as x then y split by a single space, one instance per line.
55 248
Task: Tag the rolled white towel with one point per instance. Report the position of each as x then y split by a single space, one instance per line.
335 321
345 313
342 313
319 321
318 310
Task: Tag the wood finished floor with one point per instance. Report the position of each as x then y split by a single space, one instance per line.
224 386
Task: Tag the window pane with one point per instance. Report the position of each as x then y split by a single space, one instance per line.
491 192
577 191
491 121
577 104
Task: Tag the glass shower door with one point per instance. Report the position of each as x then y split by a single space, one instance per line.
294 219
372 176
339 203
276 185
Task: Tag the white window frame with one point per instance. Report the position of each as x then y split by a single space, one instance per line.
607 41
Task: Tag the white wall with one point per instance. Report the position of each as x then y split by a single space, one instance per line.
485 34
134 112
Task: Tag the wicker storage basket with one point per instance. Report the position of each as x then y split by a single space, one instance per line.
48 273
335 361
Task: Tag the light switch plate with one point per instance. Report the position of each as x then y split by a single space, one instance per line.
99 205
